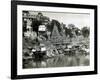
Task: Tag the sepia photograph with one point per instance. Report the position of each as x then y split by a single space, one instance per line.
55 39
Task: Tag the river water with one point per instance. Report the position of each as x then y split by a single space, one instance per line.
58 61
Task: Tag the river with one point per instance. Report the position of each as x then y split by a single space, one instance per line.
58 61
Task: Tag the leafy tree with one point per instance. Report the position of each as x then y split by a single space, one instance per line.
70 30
77 32
71 26
85 31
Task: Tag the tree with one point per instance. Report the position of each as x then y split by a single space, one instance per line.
85 32
77 32
70 31
71 26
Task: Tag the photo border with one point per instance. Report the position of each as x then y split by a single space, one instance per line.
14 39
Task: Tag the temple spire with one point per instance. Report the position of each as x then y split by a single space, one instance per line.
55 36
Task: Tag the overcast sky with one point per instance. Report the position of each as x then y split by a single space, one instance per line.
78 19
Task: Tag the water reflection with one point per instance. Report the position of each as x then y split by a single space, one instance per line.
58 61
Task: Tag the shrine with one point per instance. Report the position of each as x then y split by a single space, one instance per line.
56 37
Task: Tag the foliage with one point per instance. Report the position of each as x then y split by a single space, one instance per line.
85 31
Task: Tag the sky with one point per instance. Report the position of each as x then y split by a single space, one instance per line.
78 19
